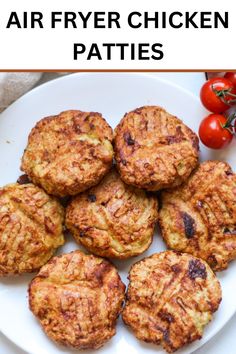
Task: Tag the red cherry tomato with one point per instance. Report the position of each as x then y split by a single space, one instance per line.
231 76
214 95
212 133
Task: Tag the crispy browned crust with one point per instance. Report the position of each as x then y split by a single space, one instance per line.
30 228
171 298
77 299
69 152
113 219
200 217
153 149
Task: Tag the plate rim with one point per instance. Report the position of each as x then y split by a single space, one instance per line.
84 74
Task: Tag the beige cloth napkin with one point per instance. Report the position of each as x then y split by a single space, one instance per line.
15 84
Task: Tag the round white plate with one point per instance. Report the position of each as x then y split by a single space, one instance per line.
112 94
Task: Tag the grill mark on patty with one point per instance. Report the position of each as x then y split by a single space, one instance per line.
23 179
173 139
102 269
189 225
178 137
128 139
212 260
196 269
228 231
176 268
166 316
229 173
92 198
195 143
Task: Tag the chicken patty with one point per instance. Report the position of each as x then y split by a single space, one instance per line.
68 153
200 216
77 299
154 149
31 228
171 298
113 219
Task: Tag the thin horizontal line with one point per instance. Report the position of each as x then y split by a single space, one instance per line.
114 70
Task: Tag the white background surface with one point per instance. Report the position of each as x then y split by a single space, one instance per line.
46 48
225 341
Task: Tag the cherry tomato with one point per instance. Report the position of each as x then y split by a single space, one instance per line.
231 76
212 133
214 91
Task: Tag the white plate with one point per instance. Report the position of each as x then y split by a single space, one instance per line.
112 95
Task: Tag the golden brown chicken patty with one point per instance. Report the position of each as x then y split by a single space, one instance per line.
68 153
77 299
171 298
154 149
113 219
200 216
30 228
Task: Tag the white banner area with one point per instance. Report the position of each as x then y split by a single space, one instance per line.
127 35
